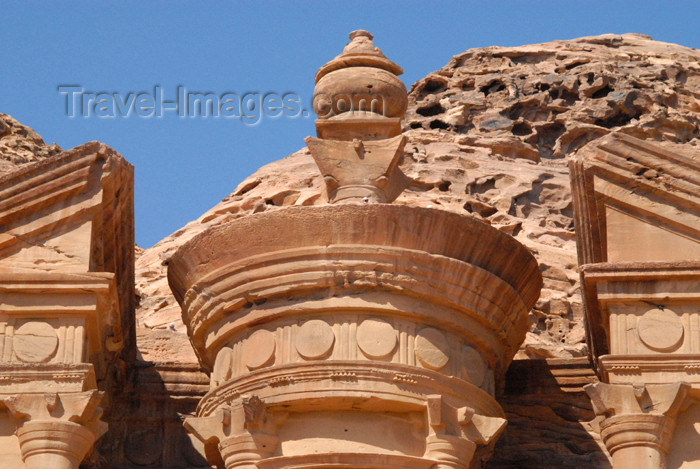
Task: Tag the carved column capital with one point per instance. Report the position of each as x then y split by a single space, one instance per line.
82 407
455 433
356 171
639 420
56 430
243 433
616 399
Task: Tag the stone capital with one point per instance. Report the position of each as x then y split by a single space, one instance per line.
82 408
242 433
455 433
56 430
618 399
639 421
356 171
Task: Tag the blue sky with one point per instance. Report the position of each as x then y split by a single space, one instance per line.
184 166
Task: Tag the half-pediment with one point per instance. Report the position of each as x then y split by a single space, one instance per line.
69 213
636 202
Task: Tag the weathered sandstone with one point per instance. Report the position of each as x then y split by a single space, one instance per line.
362 288
488 134
20 145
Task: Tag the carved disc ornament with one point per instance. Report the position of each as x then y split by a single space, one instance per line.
222 366
259 349
474 365
376 338
432 348
314 339
35 342
660 329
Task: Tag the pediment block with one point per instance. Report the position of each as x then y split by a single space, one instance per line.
636 201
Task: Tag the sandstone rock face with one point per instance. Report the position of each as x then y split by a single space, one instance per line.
20 145
550 420
489 134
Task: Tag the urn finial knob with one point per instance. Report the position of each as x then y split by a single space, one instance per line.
360 33
361 82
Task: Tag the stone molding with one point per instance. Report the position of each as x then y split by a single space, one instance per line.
347 461
394 256
339 269
16 378
403 386
641 369
618 295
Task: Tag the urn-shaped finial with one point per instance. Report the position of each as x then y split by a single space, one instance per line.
360 101
360 82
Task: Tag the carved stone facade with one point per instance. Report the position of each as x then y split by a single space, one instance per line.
357 330
66 296
638 233
354 334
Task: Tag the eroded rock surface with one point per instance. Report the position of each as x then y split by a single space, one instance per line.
20 145
489 135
